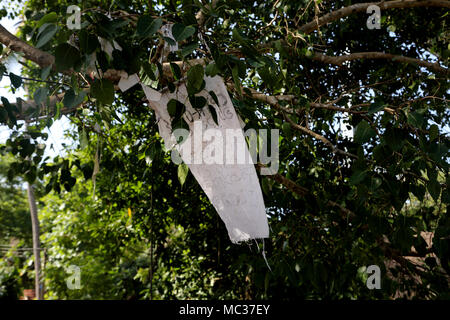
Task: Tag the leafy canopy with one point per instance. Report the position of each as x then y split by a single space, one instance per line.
339 202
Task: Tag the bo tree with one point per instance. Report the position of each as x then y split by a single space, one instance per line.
313 69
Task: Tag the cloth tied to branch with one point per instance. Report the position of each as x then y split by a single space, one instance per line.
231 185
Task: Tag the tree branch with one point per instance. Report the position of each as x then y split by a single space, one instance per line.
327 142
42 58
378 55
274 102
314 105
362 7
110 74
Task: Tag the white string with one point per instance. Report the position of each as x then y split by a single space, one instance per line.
264 256
257 245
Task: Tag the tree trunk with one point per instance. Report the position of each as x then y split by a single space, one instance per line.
36 242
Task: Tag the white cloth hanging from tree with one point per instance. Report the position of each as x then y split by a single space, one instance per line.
232 186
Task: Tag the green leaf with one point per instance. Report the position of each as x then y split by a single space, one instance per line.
49 17
183 171
357 177
213 95
88 42
181 32
175 71
40 95
286 127
418 191
211 70
171 87
147 26
195 79
147 75
179 123
83 139
172 107
266 186
394 138
170 41
5 102
267 76
8 112
27 148
3 115
45 72
69 183
363 132
66 57
103 60
187 50
30 175
378 105
80 98
175 108
58 107
415 119
16 81
238 36
213 112
433 132
71 99
434 188
197 102
103 91
432 173
46 34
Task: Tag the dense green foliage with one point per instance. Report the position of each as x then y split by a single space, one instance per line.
136 232
15 232
14 219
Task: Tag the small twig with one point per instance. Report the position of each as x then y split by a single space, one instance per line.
32 79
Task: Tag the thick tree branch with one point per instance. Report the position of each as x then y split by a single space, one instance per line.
289 184
338 61
274 102
362 7
110 74
314 105
42 58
